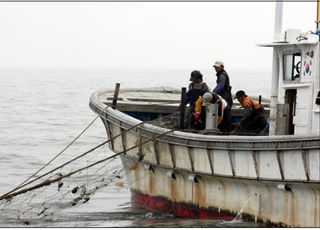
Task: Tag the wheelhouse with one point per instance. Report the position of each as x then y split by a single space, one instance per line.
295 109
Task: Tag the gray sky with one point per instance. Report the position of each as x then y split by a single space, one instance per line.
143 34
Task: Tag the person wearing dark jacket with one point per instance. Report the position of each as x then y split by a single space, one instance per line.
196 88
254 119
223 88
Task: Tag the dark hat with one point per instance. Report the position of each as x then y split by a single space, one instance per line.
240 93
195 74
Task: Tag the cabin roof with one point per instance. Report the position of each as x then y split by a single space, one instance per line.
275 44
307 39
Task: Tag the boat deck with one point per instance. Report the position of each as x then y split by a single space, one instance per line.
162 100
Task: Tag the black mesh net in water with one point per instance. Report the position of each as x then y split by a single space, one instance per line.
46 197
74 183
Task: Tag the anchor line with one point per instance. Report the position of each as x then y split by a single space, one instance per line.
48 182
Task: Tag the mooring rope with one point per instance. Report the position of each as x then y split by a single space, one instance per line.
48 182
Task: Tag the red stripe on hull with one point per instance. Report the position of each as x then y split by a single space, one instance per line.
165 206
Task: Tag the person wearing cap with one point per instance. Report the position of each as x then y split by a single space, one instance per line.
223 88
196 88
209 98
254 119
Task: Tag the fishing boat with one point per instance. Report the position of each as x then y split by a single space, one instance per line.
205 175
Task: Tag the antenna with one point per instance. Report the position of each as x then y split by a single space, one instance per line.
318 12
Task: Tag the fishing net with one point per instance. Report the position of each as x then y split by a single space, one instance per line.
172 121
75 182
67 186
45 198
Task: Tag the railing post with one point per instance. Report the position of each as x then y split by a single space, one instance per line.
260 99
115 96
182 107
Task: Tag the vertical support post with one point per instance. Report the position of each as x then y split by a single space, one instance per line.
182 107
123 140
254 157
279 164
259 99
115 95
190 158
274 93
210 159
156 151
171 146
275 69
212 116
304 160
231 163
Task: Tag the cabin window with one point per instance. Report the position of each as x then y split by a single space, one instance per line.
291 66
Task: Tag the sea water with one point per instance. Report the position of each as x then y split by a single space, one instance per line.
43 110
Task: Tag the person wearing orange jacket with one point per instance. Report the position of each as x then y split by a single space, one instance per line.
254 119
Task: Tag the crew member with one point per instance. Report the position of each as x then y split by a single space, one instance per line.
196 88
254 119
223 88
200 112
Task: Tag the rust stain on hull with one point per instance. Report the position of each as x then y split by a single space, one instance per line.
164 206
133 167
222 195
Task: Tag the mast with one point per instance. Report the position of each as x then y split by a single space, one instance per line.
278 21
275 69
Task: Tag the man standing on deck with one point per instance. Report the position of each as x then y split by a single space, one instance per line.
223 88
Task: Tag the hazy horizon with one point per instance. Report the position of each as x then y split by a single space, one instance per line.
158 35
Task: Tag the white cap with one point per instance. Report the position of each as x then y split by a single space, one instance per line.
206 99
218 64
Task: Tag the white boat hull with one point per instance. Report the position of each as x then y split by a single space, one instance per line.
259 200
274 179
